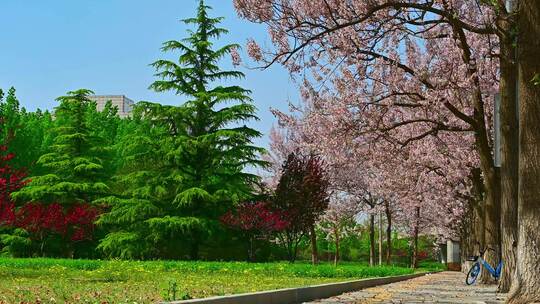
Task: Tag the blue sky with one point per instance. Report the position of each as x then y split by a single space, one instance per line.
50 47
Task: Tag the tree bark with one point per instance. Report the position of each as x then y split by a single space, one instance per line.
526 287
472 230
491 203
414 262
491 234
380 238
251 251
388 232
337 257
484 148
371 240
314 253
194 251
469 236
509 158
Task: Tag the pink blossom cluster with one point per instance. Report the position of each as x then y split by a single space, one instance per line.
398 103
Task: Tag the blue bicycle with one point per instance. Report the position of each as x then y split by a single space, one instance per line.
476 268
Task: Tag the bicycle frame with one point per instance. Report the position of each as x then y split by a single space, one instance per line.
495 272
479 261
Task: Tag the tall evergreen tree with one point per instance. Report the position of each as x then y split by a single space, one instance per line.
75 176
105 126
187 162
75 159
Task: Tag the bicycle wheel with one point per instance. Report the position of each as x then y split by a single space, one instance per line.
473 274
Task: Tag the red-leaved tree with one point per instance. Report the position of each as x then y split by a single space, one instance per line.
41 221
75 223
255 220
10 180
303 193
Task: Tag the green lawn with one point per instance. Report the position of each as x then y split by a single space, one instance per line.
90 281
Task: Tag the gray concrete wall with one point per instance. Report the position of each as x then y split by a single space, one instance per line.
299 295
453 259
124 104
453 252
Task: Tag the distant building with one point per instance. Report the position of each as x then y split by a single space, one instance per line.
124 104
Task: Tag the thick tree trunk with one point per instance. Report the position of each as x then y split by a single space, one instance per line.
388 232
473 227
491 235
526 286
509 161
481 230
371 240
484 148
469 236
491 205
491 217
380 238
313 238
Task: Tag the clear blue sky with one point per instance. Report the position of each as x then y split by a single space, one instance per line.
50 47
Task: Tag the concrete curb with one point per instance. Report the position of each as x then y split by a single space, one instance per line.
300 295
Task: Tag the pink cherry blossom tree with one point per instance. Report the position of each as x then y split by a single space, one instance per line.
339 220
377 42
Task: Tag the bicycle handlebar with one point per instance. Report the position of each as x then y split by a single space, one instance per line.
485 249
482 252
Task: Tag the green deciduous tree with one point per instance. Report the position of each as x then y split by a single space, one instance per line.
28 132
184 165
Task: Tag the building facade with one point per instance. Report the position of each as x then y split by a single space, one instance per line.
124 104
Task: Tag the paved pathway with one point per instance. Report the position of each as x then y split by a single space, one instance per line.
443 287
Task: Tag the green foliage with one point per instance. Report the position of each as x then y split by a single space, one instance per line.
28 133
16 244
183 165
302 194
75 161
171 293
276 269
355 248
494 3
432 266
70 281
73 169
536 79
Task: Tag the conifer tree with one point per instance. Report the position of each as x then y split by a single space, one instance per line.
186 163
75 176
74 161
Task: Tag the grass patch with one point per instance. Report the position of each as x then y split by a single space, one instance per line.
93 281
431 266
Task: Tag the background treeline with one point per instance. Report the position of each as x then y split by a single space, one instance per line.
33 138
170 182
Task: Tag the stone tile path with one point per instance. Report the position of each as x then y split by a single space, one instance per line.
443 287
